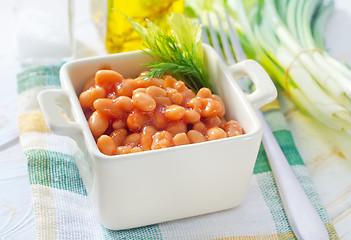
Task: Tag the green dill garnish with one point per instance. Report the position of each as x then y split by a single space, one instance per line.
179 53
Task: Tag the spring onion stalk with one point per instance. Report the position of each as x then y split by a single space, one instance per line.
286 37
326 90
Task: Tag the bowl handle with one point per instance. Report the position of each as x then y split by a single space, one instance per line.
56 107
265 91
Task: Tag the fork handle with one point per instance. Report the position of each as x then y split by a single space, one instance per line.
302 216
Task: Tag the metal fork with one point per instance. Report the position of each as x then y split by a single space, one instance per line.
302 216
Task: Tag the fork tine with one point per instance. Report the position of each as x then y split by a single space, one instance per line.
225 43
234 38
214 38
203 32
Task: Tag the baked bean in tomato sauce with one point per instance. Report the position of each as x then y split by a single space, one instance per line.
140 114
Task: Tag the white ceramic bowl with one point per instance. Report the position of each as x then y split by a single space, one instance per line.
144 188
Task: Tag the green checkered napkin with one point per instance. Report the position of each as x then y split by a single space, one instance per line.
63 210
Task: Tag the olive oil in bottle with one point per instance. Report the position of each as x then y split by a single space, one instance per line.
120 36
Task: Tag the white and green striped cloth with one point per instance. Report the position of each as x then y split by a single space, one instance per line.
63 210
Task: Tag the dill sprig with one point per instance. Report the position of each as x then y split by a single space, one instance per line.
179 54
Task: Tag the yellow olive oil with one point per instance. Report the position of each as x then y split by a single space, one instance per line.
120 36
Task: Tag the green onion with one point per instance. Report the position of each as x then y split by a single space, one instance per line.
286 37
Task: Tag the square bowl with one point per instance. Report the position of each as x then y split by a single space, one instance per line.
155 186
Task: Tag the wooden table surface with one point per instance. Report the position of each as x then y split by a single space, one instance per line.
327 157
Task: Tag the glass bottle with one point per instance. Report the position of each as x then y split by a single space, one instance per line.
120 36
